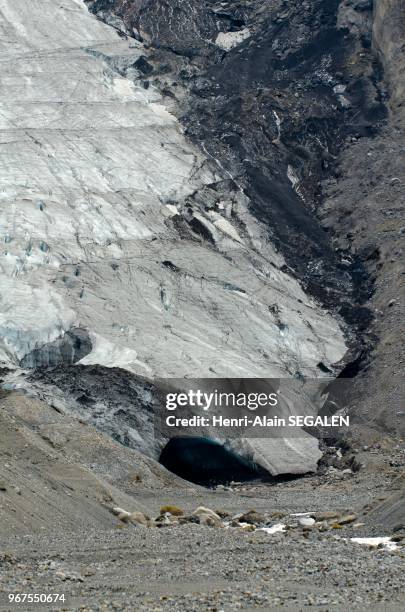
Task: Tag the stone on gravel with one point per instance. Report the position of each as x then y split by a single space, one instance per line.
173 510
278 515
347 518
123 515
139 518
164 520
210 521
247 528
117 511
222 514
188 519
69 576
324 526
253 517
326 516
398 536
203 511
306 521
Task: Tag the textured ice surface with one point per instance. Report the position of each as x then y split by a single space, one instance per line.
31 315
93 170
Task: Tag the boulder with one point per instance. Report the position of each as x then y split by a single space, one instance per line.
203 511
165 520
223 514
306 521
278 514
123 515
347 518
254 518
206 516
210 521
188 519
327 515
139 518
248 528
173 510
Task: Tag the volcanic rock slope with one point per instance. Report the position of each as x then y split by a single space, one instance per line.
159 177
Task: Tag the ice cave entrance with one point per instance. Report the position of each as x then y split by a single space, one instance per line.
206 462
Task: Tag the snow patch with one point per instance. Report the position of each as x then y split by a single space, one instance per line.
376 541
228 40
278 528
292 177
294 180
278 124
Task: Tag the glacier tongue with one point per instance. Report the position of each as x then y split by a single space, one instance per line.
98 231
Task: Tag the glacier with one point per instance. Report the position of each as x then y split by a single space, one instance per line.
99 233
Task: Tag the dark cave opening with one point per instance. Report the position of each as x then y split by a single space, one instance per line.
207 462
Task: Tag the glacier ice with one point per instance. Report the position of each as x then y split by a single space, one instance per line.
94 177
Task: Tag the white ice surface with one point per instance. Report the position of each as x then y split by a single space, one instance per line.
30 315
113 356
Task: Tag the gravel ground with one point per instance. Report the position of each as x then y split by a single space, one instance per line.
60 480
197 567
202 568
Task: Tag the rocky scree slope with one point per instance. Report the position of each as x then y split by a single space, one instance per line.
61 475
365 205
